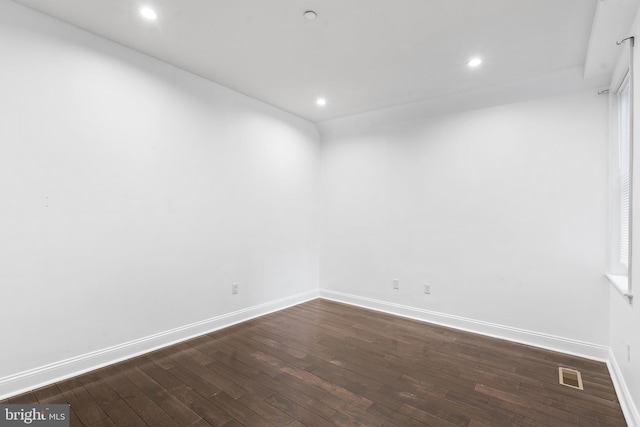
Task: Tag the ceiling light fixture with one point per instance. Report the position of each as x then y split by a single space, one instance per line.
310 15
321 102
148 13
474 62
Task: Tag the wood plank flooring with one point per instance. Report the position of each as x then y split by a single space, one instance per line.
323 363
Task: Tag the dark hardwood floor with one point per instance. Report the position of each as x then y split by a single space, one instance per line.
323 364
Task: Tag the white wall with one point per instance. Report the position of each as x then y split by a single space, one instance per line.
503 210
625 315
625 328
133 194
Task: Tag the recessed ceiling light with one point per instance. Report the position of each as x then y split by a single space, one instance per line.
310 15
321 102
474 62
148 13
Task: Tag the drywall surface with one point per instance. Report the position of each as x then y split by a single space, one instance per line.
502 210
625 331
134 194
625 314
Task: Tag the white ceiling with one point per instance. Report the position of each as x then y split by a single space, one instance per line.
361 55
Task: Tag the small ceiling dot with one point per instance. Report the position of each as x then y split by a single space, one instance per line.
149 13
474 62
310 15
321 102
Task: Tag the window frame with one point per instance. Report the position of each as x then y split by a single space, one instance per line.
620 271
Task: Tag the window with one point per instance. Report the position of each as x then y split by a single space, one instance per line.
624 144
621 186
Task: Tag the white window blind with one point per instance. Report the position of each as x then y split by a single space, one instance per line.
624 140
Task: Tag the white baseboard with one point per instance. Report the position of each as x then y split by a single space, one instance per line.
44 375
549 342
627 404
39 377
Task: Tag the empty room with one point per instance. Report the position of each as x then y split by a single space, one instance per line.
319 213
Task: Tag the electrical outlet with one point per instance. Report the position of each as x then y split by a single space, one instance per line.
396 284
628 351
234 288
427 288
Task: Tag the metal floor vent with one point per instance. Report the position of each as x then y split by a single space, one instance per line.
570 378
